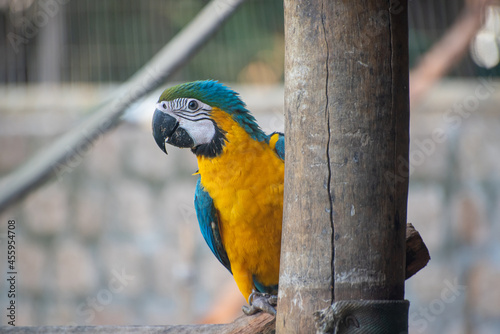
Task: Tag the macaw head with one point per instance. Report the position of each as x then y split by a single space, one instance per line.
183 117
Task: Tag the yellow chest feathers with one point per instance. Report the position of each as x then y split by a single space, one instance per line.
246 178
246 184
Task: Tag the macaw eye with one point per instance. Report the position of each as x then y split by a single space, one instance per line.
193 105
164 105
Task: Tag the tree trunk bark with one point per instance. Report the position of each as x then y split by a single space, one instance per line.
346 181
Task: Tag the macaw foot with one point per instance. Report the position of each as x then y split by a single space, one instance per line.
261 302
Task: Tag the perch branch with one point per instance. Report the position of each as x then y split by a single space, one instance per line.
261 323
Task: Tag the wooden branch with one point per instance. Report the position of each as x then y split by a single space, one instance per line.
417 254
448 51
261 323
57 158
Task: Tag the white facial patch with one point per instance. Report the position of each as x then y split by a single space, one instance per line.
201 131
193 116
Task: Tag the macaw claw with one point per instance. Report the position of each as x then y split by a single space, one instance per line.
261 302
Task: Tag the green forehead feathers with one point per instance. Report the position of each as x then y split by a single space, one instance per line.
209 92
217 95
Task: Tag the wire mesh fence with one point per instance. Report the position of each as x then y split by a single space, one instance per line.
108 40
102 41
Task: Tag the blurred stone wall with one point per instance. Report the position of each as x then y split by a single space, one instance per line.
113 239
454 201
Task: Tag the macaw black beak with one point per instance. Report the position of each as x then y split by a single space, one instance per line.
166 130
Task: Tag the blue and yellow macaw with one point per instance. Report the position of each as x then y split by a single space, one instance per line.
239 194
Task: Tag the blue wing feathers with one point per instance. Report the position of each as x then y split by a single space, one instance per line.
280 144
209 224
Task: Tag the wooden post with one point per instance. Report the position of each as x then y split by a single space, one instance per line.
347 123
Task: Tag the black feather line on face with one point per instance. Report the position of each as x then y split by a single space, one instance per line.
214 148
